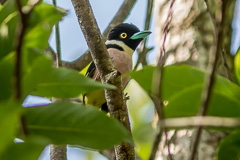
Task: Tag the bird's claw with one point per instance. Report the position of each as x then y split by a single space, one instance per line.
126 96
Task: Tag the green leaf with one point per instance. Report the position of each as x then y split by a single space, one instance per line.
37 72
28 150
187 102
8 30
67 83
42 79
9 118
229 148
40 25
237 64
144 77
182 87
75 124
9 24
8 8
6 77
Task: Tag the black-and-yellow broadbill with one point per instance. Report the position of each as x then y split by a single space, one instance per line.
122 40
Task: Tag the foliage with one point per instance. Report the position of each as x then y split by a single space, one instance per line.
182 86
229 147
181 92
75 124
85 126
58 123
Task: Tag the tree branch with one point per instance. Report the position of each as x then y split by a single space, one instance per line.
223 54
143 50
213 21
115 99
225 65
2 1
58 42
209 81
57 152
21 32
207 121
18 61
156 90
121 15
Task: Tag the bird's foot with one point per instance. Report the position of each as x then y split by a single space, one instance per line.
126 97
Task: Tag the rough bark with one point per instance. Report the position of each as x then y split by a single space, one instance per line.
58 152
115 99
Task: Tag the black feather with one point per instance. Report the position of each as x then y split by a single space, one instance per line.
91 70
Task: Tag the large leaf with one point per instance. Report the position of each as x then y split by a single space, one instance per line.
229 147
144 77
9 116
67 83
39 77
28 150
34 68
182 87
186 103
7 9
69 123
40 25
6 77
42 79
8 30
37 72
9 24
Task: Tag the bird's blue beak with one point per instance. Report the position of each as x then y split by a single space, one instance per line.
141 34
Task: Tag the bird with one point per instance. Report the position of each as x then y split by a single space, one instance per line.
122 41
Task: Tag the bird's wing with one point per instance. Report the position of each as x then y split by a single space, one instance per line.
91 69
90 73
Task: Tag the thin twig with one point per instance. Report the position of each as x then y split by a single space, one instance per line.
2 1
225 65
58 42
223 54
209 82
22 29
115 98
142 51
57 152
18 67
165 30
120 16
213 21
204 121
157 95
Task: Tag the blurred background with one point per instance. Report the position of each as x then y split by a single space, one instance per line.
190 41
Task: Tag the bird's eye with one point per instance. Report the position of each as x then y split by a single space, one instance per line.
123 35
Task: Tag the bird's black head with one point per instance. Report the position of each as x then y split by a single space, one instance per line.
129 34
